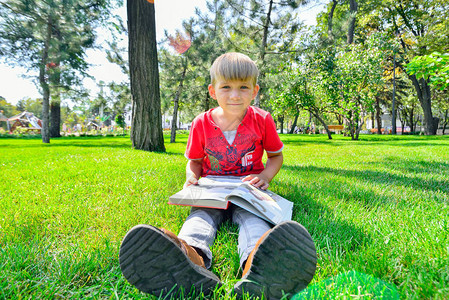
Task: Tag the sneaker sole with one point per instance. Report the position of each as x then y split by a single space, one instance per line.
154 264
284 263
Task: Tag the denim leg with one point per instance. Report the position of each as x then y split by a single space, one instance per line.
251 228
200 228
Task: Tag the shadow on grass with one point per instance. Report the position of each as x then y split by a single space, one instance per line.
327 231
81 142
366 140
382 178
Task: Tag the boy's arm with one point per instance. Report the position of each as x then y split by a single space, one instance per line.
262 180
193 171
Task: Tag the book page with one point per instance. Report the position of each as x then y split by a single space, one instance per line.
209 191
234 181
268 205
212 190
200 192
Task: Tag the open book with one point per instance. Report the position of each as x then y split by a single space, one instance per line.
220 191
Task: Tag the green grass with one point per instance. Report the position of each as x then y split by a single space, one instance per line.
378 206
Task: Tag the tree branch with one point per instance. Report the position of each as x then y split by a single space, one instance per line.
22 13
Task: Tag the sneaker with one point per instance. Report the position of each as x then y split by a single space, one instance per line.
282 262
155 263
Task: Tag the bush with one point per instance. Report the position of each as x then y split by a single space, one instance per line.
119 131
120 121
412 133
181 131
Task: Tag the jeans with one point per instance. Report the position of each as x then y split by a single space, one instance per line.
201 226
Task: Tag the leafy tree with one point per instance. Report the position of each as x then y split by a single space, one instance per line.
146 128
7 108
433 67
418 23
441 105
293 90
360 79
72 117
120 93
410 110
179 65
120 97
339 24
120 121
385 95
186 61
264 30
31 105
50 37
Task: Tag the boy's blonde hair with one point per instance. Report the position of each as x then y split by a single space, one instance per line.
234 66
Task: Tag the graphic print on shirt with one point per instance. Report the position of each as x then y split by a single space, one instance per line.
247 159
224 158
214 164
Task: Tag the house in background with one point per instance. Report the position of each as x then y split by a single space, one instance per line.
26 120
387 125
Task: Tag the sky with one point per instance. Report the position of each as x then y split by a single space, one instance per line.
169 16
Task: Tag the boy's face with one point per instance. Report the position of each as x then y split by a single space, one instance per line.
233 96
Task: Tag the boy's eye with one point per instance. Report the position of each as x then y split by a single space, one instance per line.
244 87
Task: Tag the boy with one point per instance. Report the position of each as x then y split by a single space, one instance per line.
227 140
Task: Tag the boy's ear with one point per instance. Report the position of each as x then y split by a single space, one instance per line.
256 90
212 91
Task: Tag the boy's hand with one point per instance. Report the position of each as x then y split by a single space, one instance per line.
191 180
258 180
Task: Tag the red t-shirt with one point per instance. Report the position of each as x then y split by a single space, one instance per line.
256 133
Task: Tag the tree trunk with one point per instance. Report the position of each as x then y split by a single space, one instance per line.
176 105
402 120
339 118
55 104
412 123
351 124
317 116
55 118
45 131
423 90
265 31
330 20
351 29
310 121
360 123
263 48
446 120
393 109
281 121
403 126
378 120
352 130
146 130
295 122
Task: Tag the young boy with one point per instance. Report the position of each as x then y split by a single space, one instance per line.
227 140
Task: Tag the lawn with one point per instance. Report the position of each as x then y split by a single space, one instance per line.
378 206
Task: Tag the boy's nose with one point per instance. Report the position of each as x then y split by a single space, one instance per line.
235 94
